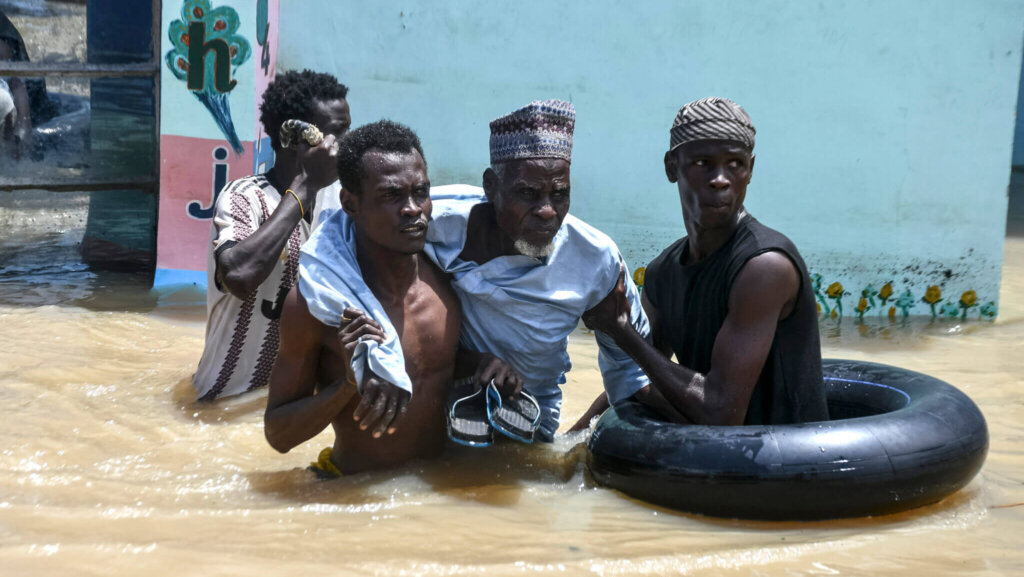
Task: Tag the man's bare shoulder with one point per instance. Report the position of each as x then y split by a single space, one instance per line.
298 322
436 278
772 266
768 281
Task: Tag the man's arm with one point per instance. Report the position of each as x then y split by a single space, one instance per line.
296 412
648 394
622 377
763 292
658 337
242 268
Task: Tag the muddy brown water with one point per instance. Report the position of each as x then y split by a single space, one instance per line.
107 468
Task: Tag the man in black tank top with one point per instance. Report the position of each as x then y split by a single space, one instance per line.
732 299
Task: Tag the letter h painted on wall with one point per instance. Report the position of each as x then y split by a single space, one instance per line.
197 49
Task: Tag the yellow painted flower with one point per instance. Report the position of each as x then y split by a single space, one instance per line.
819 307
892 312
932 295
968 299
886 291
835 290
862 305
638 276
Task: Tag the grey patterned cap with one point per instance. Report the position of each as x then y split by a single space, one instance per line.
541 129
712 118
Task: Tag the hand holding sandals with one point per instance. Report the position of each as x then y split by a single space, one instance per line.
506 379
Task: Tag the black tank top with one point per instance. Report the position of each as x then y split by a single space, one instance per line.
693 301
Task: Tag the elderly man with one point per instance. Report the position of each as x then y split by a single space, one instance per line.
258 226
524 269
732 299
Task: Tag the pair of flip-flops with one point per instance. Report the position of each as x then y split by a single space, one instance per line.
475 413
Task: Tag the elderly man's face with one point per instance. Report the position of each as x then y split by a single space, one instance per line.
531 200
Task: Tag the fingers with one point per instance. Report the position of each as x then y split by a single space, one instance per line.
403 408
398 406
356 325
330 143
350 314
358 329
484 371
388 408
373 322
374 404
318 162
513 384
366 402
506 378
382 406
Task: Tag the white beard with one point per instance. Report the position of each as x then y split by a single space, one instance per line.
533 250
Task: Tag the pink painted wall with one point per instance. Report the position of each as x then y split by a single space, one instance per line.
187 178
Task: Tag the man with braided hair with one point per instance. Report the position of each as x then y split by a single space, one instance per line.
259 223
732 299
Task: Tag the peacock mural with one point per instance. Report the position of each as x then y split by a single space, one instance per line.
207 51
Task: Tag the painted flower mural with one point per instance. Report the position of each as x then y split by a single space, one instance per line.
968 300
884 294
932 297
949 310
835 292
888 301
905 302
206 54
866 302
816 285
638 276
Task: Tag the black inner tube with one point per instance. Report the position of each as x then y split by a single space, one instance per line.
896 440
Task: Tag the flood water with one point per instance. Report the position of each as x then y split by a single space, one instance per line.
106 467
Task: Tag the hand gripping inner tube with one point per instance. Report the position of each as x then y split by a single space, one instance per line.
896 440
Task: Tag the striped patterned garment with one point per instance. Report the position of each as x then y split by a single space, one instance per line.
242 335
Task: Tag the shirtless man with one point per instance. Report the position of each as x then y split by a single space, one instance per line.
387 196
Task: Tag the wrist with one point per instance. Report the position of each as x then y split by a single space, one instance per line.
303 187
623 324
621 332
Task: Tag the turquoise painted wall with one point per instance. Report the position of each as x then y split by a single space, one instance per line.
1018 140
885 128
